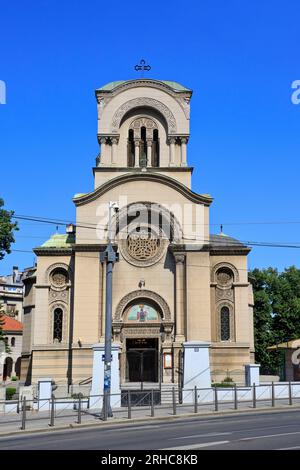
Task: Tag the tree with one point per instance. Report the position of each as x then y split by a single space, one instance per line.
264 282
276 312
7 228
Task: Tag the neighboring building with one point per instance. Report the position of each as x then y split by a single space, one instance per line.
11 360
175 285
11 294
291 355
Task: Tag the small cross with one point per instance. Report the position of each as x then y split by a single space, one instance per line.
142 67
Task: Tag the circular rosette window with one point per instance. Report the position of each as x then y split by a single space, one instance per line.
59 278
143 247
224 276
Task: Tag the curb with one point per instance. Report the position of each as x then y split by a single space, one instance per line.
129 423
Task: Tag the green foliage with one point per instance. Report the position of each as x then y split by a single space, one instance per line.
14 378
10 391
276 313
227 382
7 228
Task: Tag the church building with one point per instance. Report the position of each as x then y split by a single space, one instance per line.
176 287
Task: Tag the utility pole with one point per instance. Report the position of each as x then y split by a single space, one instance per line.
109 256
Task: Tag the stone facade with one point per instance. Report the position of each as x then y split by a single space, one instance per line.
174 282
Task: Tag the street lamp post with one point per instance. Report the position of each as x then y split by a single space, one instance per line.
109 256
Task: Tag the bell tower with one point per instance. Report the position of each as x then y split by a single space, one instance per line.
143 125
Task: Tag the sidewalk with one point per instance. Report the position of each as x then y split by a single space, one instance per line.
67 419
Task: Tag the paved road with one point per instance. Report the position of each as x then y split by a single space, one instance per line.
271 430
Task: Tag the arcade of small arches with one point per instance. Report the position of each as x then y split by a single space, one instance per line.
144 141
11 366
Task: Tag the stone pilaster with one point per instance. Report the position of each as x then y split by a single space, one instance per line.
180 297
183 151
172 141
136 152
114 146
149 152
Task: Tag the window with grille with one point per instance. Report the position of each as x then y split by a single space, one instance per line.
57 325
225 324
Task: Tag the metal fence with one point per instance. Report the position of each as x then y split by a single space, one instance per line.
41 414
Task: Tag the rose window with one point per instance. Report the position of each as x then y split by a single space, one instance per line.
143 246
224 276
59 278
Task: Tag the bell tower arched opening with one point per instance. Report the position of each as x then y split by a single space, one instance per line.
143 143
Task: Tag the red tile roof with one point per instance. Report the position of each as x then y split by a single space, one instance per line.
10 324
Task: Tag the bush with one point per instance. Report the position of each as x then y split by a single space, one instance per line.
10 391
227 382
14 378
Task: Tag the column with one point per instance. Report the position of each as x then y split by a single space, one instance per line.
114 143
180 296
172 150
136 152
149 152
183 151
102 142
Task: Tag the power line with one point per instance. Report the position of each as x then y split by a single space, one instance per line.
89 224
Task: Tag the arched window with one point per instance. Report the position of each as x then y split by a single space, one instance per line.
13 341
130 149
143 148
57 325
225 324
143 143
155 149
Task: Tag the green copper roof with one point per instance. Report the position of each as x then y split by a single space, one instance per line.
59 241
174 85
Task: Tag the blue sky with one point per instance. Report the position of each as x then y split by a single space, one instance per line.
239 57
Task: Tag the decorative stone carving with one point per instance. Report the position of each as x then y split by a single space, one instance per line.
143 294
149 211
140 102
55 295
57 266
185 105
179 258
136 331
224 276
59 278
224 294
143 248
224 266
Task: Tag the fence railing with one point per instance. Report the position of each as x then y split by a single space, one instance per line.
41 413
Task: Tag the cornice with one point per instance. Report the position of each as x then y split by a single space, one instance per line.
98 248
143 83
48 251
171 169
143 176
214 251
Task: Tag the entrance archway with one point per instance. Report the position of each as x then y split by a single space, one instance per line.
142 360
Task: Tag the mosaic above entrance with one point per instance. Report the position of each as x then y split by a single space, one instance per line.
142 313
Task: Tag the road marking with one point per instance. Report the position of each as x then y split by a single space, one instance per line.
268 436
289 448
197 446
193 436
